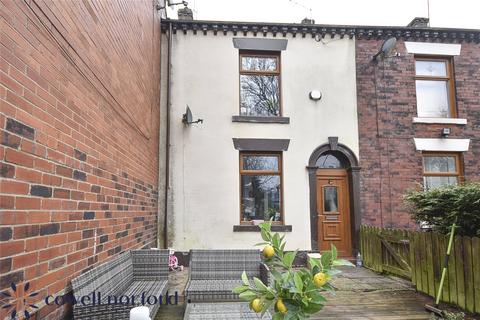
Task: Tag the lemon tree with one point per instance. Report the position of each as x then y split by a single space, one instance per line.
292 293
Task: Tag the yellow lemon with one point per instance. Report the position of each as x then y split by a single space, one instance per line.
256 305
281 306
268 252
320 279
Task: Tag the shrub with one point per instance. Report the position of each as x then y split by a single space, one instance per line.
293 294
440 207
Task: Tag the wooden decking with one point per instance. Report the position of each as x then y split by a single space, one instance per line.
362 295
376 305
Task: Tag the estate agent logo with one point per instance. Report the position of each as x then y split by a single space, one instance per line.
18 303
23 306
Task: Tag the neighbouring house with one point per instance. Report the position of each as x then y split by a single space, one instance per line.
79 128
418 113
302 126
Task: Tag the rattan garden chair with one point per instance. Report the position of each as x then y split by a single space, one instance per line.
136 272
214 273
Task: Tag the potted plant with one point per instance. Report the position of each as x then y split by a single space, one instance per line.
293 293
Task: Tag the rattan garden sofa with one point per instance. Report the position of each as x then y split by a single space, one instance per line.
214 273
135 272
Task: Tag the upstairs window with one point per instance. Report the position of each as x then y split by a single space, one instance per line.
260 84
435 88
261 187
441 170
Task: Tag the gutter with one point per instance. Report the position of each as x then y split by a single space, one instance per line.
167 137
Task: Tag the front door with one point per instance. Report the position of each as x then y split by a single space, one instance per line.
333 209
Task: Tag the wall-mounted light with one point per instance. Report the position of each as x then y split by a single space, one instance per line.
315 95
446 132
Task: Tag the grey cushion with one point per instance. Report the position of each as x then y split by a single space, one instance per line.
222 311
130 273
211 290
214 273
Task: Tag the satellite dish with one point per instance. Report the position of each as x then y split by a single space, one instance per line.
386 50
187 117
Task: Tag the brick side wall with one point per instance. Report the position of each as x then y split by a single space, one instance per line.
79 138
390 163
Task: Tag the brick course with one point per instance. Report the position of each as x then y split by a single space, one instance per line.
79 121
390 163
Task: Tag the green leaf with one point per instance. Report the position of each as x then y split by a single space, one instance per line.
259 284
313 262
334 252
288 258
265 235
313 308
276 240
298 281
267 304
326 260
261 244
278 316
248 295
265 226
245 279
277 275
240 289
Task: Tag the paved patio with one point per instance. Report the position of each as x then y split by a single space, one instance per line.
361 295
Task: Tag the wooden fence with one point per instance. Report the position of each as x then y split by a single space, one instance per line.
419 256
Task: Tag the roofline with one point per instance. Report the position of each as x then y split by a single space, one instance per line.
350 31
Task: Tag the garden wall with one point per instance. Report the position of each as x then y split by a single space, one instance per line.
79 139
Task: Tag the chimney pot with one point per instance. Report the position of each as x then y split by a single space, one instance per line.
185 13
308 21
419 22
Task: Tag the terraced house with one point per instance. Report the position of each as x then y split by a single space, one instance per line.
121 129
309 126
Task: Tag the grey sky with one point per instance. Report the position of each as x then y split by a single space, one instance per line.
443 13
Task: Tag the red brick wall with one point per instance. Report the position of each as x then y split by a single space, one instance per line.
79 138
390 163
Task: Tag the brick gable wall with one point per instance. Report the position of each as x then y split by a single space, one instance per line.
79 138
390 163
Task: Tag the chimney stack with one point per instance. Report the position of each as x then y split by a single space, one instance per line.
419 22
308 21
185 13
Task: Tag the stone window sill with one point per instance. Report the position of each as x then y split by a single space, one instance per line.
254 228
441 120
252 119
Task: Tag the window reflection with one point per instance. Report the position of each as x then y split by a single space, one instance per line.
431 68
260 179
330 199
252 162
440 164
261 197
328 161
259 95
439 171
432 98
259 63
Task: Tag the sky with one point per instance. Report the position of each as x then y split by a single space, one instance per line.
443 13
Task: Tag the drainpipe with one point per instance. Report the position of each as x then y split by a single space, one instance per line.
167 137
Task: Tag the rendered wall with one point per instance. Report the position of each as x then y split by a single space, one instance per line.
204 176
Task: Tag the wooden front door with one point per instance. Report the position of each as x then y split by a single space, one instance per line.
333 209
